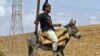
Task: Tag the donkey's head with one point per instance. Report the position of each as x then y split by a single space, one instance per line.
73 31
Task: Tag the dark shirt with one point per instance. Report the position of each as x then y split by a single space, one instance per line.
45 22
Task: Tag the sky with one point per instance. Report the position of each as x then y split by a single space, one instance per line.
85 12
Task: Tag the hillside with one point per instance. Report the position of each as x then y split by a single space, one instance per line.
88 45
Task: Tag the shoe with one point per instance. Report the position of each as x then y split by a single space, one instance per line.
54 53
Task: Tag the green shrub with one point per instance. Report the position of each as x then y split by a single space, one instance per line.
2 54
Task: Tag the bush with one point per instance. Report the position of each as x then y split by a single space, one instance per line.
2 54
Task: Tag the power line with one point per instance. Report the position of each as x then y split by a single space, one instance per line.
74 7
26 3
66 6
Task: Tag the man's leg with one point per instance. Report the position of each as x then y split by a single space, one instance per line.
54 39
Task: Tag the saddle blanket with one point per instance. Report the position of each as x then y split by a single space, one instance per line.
61 33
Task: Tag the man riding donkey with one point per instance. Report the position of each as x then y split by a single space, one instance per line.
47 26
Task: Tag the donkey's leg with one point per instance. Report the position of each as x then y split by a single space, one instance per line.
35 51
30 50
59 54
62 53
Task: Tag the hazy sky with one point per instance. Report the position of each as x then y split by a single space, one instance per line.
86 12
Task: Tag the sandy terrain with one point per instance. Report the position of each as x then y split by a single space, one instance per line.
88 45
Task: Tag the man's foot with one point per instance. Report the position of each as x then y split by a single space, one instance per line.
54 53
37 45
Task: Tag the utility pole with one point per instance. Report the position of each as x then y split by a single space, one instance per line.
38 8
16 20
37 13
37 40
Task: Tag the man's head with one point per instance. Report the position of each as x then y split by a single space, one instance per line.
46 7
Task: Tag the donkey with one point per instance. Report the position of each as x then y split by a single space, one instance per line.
32 43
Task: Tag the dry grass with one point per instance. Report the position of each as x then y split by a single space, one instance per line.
88 45
14 45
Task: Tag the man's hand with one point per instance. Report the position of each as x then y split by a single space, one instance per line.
58 25
35 32
36 22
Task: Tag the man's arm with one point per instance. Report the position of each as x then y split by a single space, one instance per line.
36 31
57 25
36 26
66 26
36 22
